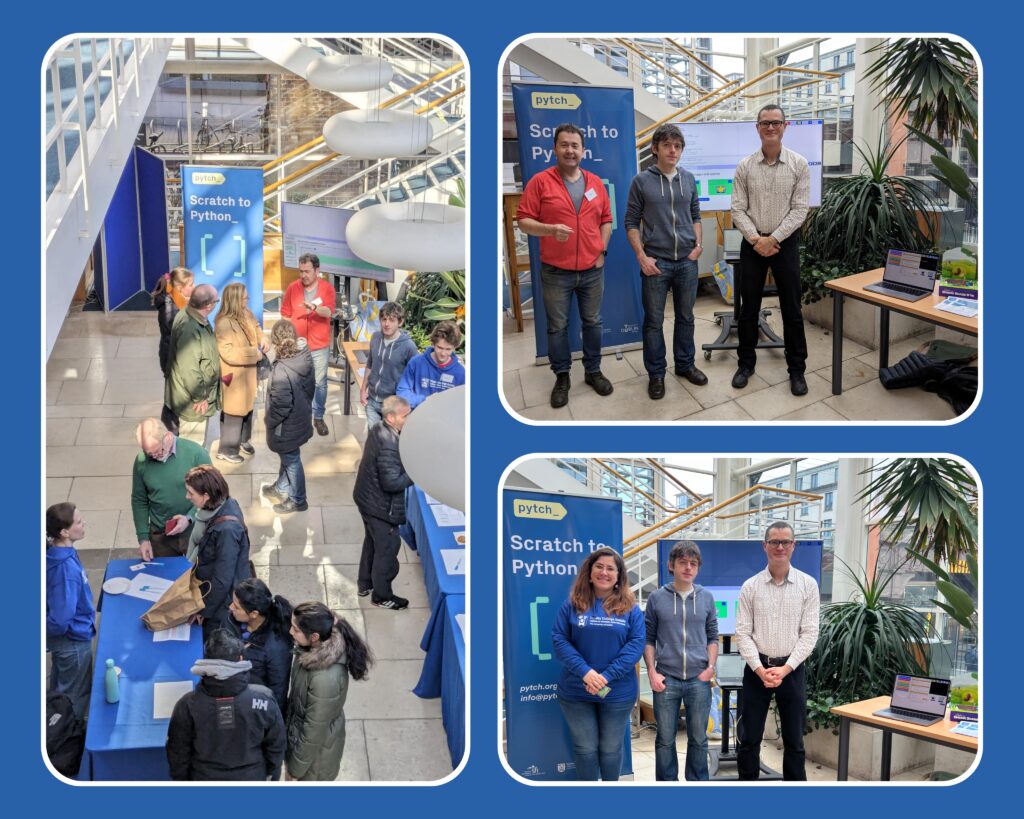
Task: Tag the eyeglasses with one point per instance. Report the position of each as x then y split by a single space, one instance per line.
775 544
771 123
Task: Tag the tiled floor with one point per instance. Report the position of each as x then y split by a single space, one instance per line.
102 379
527 386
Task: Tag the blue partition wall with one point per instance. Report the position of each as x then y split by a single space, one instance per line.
149 171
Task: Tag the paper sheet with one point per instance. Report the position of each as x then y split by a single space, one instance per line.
460 619
180 633
965 728
147 587
431 500
454 560
447 517
968 308
166 694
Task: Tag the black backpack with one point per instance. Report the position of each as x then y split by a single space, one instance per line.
65 735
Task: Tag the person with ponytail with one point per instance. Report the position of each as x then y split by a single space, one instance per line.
70 612
265 621
170 295
328 651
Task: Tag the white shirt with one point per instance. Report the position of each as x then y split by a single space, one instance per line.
777 619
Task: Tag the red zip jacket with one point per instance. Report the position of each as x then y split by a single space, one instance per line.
546 200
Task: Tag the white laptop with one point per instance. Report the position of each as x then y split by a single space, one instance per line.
919 700
908 275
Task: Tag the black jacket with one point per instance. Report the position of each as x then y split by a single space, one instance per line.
289 411
166 310
223 561
270 653
226 730
381 483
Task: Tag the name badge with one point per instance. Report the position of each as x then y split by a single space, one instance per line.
591 194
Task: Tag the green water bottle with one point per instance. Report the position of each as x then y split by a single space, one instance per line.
110 681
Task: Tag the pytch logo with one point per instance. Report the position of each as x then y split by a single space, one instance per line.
543 510
200 178
557 101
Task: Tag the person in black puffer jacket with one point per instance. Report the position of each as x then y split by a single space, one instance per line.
218 545
289 415
170 295
265 620
380 496
226 729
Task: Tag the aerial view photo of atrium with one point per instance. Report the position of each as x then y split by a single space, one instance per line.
795 218
736 618
254 335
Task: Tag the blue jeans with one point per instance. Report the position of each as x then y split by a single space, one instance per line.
681 278
320 374
558 287
71 670
696 696
373 413
598 730
291 479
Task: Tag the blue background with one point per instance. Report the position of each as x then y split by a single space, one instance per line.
731 562
989 439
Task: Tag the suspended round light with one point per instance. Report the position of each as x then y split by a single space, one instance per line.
433 447
343 72
410 236
376 133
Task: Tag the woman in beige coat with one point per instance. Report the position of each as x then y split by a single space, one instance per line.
241 343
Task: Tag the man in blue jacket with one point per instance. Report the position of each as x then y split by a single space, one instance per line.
681 650
663 199
436 369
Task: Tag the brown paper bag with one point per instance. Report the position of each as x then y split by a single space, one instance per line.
183 599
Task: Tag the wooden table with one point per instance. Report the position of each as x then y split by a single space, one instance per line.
353 365
863 713
923 309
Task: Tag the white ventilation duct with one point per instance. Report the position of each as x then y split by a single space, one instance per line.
410 236
343 72
376 133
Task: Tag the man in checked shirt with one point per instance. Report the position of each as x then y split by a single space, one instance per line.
771 189
776 629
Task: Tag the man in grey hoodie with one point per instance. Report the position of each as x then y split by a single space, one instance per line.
663 199
681 650
390 350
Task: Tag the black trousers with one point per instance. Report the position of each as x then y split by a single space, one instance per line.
378 564
785 267
791 698
235 430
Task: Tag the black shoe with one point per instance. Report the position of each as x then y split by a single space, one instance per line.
601 385
320 426
694 376
394 602
247 448
656 388
797 384
285 507
364 592
273 493
739 381
231 459
560 393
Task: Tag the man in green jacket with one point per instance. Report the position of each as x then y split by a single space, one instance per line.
158 487
192 388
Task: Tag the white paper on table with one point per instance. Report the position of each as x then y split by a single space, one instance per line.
431 500
166 694
965 728
182 633
460 619
447 517
147 587
454 560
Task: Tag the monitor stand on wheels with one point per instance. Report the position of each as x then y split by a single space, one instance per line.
730 320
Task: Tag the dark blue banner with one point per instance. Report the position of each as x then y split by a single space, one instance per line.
546 537
223 213
605 115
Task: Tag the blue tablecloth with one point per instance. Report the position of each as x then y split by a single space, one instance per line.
444 670
430 539
123 741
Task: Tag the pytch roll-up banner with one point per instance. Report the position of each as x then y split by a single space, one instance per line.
546 537
605 115
223 213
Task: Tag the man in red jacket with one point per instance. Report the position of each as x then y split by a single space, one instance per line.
568 209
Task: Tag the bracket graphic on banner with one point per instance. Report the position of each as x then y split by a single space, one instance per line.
605 116
545 538
223 213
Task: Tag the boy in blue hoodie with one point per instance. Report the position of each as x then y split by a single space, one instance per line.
681 650
70 613
391 349
436 369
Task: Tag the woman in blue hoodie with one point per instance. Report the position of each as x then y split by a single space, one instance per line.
70 613
598 636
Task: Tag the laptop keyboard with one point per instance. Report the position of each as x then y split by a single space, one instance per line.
903 288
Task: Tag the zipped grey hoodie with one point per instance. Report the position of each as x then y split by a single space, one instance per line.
386 363
680 630
667 209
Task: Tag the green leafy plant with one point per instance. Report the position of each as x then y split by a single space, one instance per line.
959 603
431 298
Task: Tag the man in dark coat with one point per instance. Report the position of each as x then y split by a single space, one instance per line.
380 496
226 729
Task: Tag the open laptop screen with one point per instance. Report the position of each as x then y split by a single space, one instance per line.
926 694
914 269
